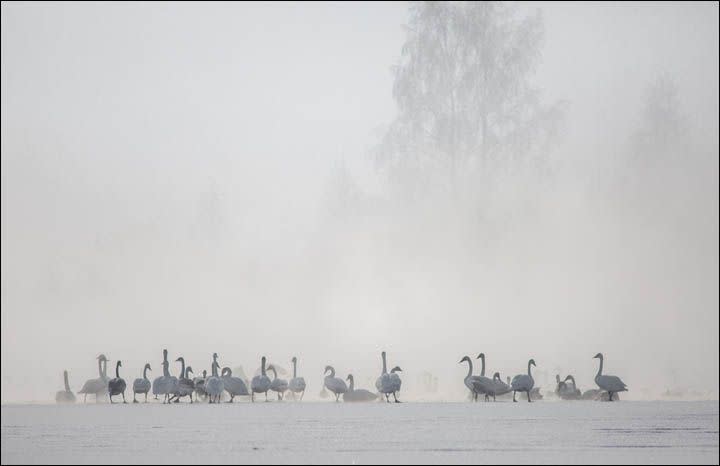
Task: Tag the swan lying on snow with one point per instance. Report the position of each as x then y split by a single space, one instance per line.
359 395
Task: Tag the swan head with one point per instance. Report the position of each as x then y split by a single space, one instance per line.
204 373
599 356
496 376
349 377
215 356
396 369
532 362
188 370
465 359
119 363
557 378
226 370
383 354
328 369
147 366
102 357
180 359
569 377
263 360
293 360
481 356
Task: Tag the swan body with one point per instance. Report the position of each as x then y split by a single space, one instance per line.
214 385
497 387
142 385
523 382
486 384
334 384
200 385
385 384
566 391
296 384
117 385
163 385
260 383
97 386
472 382
280 386
184 386
235 386
357 396
395 382
65 396
610 383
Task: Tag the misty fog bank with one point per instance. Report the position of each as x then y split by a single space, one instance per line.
249 180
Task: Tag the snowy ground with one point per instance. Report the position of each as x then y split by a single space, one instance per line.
541 432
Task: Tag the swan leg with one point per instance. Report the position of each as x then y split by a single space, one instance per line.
134 399
514 400
528 396
252 397
610 395
302 395
124 402
266 398
395 396
85 398
145 397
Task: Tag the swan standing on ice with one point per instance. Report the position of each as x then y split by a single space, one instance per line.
396 382
610 383
524 382
235 386
472 382
334 384
498 387
359 395
384 384
185 385
65 396
142 386
297 384
486 384
96 386
277 385
160 382
260 383
214 385
200 386
117 385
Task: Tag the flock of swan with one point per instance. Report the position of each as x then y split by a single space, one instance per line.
212 387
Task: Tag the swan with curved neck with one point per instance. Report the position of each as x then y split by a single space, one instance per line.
359 395
117 385
610 383
471 381
97 386
280 386
384 383
235 386
524 382
185 385
486 384
334 384
65 396
142 386
297 384
260 383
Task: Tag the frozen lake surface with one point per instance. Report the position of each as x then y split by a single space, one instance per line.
541 432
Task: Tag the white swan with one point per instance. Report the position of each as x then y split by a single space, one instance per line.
235 386
566 391
214 385
297 384
334 384
158 385
610 383
486 384
384 384
524 382
396 382
97 386
280 386
65 396
117 385
200 386
260 383
359 395
498 387
185 385
471 381
142 386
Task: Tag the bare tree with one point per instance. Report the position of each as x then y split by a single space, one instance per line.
463 91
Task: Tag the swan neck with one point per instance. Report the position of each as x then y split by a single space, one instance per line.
600 368
529 367
117 370
470 368
352 384
482 368
294 369
384 364
182 368
67 384
145 373
100 368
